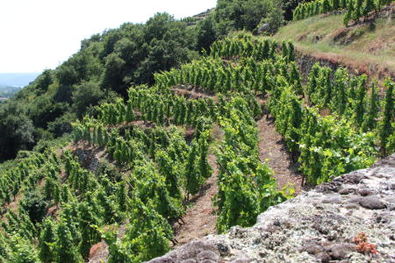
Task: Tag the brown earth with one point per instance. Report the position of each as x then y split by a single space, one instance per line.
192 92
199 220
363 47
201 217
333 60
273 152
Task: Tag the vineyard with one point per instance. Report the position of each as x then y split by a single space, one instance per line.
156 143
355 10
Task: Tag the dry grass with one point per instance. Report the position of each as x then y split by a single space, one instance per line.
370 50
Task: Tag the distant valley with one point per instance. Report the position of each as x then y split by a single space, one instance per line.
10 83
16 79
7 92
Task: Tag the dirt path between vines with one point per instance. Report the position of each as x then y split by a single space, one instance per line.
201 217
273 152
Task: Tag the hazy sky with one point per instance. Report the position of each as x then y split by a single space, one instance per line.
40 34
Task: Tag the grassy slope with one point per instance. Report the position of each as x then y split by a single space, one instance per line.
368 50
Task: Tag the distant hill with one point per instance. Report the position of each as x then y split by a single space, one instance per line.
7 92
16 79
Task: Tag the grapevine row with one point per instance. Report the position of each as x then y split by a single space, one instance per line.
246 185
355 9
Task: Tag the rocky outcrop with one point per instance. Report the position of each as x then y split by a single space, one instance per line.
345 220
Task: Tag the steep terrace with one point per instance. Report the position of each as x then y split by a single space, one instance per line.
363 48
327 224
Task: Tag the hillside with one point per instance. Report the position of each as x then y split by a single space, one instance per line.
127 186
364 48
108 63
144 142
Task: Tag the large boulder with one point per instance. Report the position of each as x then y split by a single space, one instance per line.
321 225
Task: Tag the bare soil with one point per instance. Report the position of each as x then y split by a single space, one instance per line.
192 92
272 151
201 217
98 253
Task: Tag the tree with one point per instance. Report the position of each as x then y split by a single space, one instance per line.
114 73
17 131
240 14
85 95
46 110
290 6
206 33
44 80
274 19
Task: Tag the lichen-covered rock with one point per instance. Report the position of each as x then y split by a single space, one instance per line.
316 226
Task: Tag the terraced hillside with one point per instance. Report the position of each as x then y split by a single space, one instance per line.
125 188
365 47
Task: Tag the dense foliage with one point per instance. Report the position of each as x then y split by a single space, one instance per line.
233 15
246 185
142 134
65 205
107 64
